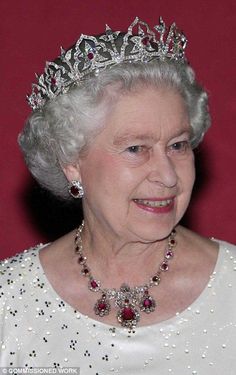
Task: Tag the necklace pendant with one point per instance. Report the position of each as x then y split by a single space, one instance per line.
102 307
128 316
147 303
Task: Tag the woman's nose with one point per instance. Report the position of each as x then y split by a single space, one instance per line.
162 170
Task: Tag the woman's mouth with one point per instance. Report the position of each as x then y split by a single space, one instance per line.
155 205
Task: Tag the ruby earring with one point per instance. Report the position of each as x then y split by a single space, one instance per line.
75 189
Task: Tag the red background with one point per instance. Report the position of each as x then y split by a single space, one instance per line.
33 31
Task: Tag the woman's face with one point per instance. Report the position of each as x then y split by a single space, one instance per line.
139 172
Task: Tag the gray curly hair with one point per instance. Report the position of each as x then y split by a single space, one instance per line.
57 134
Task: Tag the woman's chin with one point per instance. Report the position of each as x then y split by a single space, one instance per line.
151 232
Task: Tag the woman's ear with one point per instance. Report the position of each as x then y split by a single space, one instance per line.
72 172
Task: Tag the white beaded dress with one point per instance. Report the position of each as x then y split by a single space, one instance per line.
38 329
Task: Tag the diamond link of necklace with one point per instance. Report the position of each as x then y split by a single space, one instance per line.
130 302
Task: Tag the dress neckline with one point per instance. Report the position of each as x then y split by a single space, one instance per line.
182 316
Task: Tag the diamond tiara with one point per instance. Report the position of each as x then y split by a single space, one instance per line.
92 54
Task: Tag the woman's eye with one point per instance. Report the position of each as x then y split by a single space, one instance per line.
136 149
181 146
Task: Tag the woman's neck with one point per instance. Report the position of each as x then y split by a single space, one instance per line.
119 261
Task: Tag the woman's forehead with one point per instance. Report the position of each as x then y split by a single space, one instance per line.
147 101
144 114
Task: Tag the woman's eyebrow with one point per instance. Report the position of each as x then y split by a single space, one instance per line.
129 137
126 138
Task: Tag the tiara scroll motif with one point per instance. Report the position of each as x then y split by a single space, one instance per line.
92 54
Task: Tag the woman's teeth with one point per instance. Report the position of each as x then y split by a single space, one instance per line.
145 202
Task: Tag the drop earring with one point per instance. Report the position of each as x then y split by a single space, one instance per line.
75 189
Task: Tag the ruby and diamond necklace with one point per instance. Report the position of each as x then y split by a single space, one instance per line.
130 302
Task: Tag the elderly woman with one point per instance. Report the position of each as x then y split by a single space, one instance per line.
114 123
